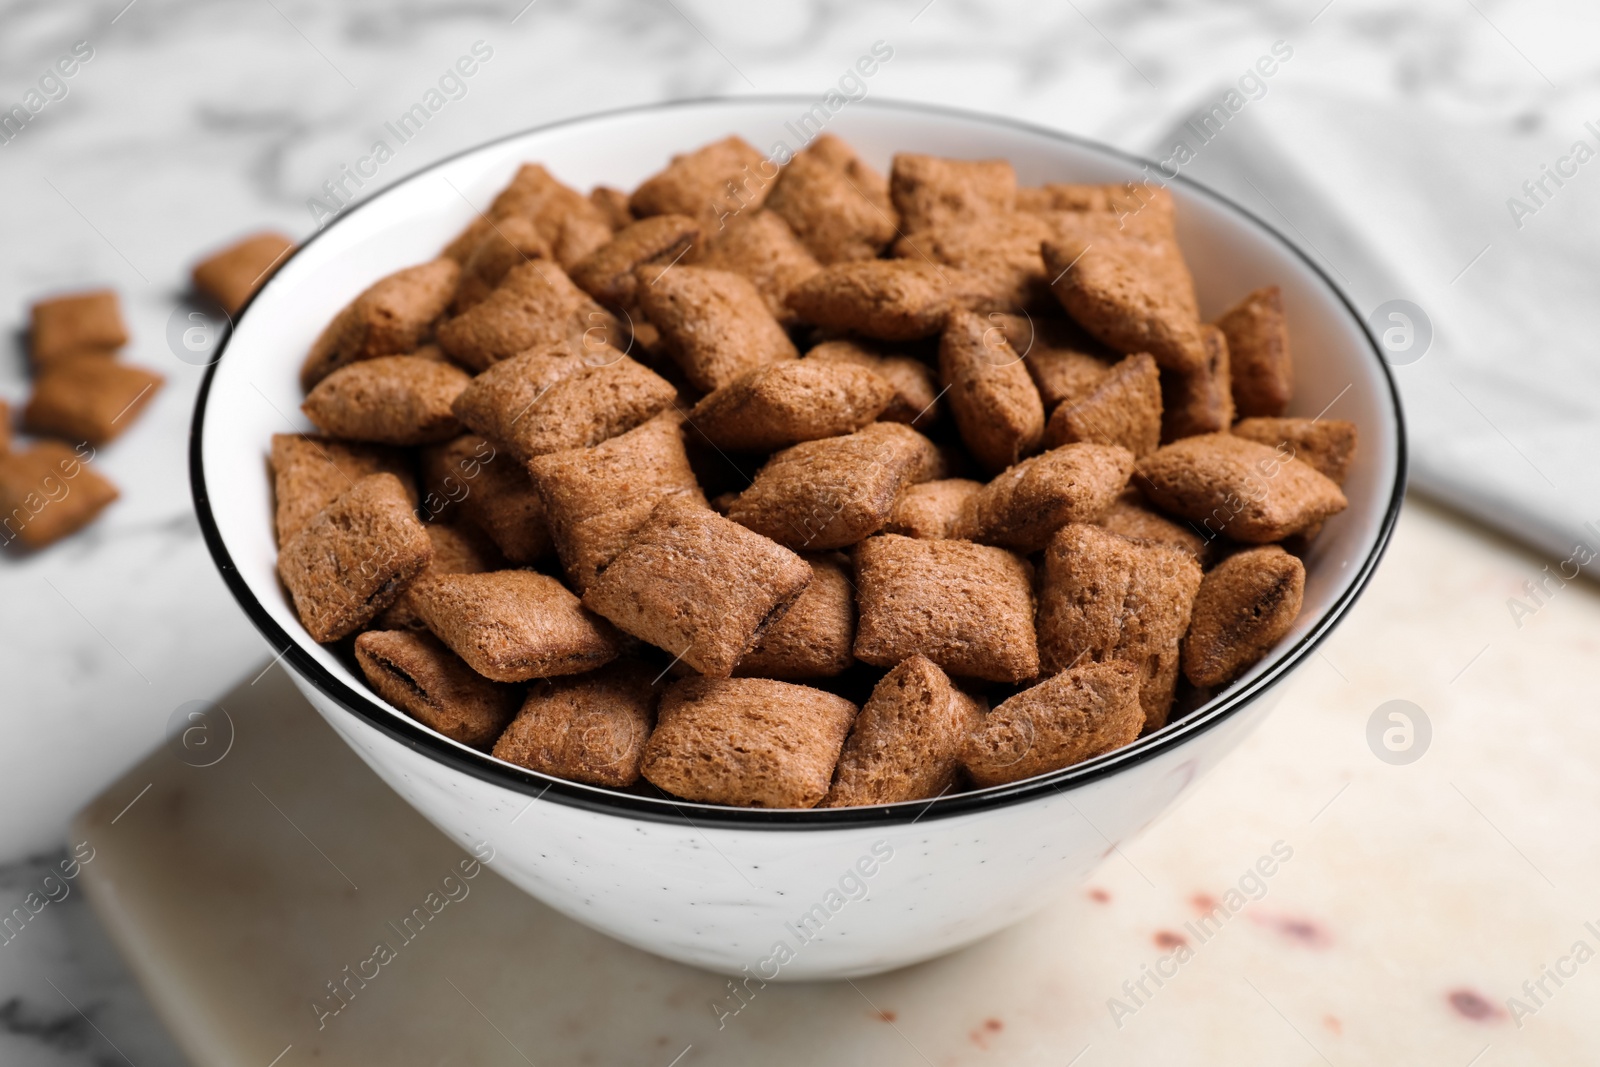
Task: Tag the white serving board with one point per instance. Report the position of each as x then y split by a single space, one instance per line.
238 890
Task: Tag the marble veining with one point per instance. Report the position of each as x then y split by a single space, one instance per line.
63 988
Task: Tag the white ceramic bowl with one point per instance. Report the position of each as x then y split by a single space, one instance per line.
778 894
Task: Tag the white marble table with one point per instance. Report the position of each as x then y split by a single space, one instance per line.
192 123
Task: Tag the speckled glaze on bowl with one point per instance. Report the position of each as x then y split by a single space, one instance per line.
776 894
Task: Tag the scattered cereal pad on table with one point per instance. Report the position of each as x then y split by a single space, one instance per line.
785 403
535 306
967 607
760 246
417 674
1238 488
493 492
551 399
1071 717
353 558
697 585
511 626
391 317
915 401
1258 340
1327 444
456 550
1245 606
930 191
710 184
232 275
995 403
814 638
597 498
1103 598
585 728
1198 400
309 473
714 323
1022 507
47 492
837 205
929 510
831 493
1123 408
885 299
906 743
748 742
88 398
1122 305
608 273
506 244
87 323
391 400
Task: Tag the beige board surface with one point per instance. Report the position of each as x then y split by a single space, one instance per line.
1417 899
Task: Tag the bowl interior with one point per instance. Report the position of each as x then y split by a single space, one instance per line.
253 392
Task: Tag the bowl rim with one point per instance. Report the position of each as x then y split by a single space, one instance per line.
601 800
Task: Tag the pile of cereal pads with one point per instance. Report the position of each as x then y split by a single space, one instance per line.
83 396
795 487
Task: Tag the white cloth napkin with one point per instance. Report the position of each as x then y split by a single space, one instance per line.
1503 409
